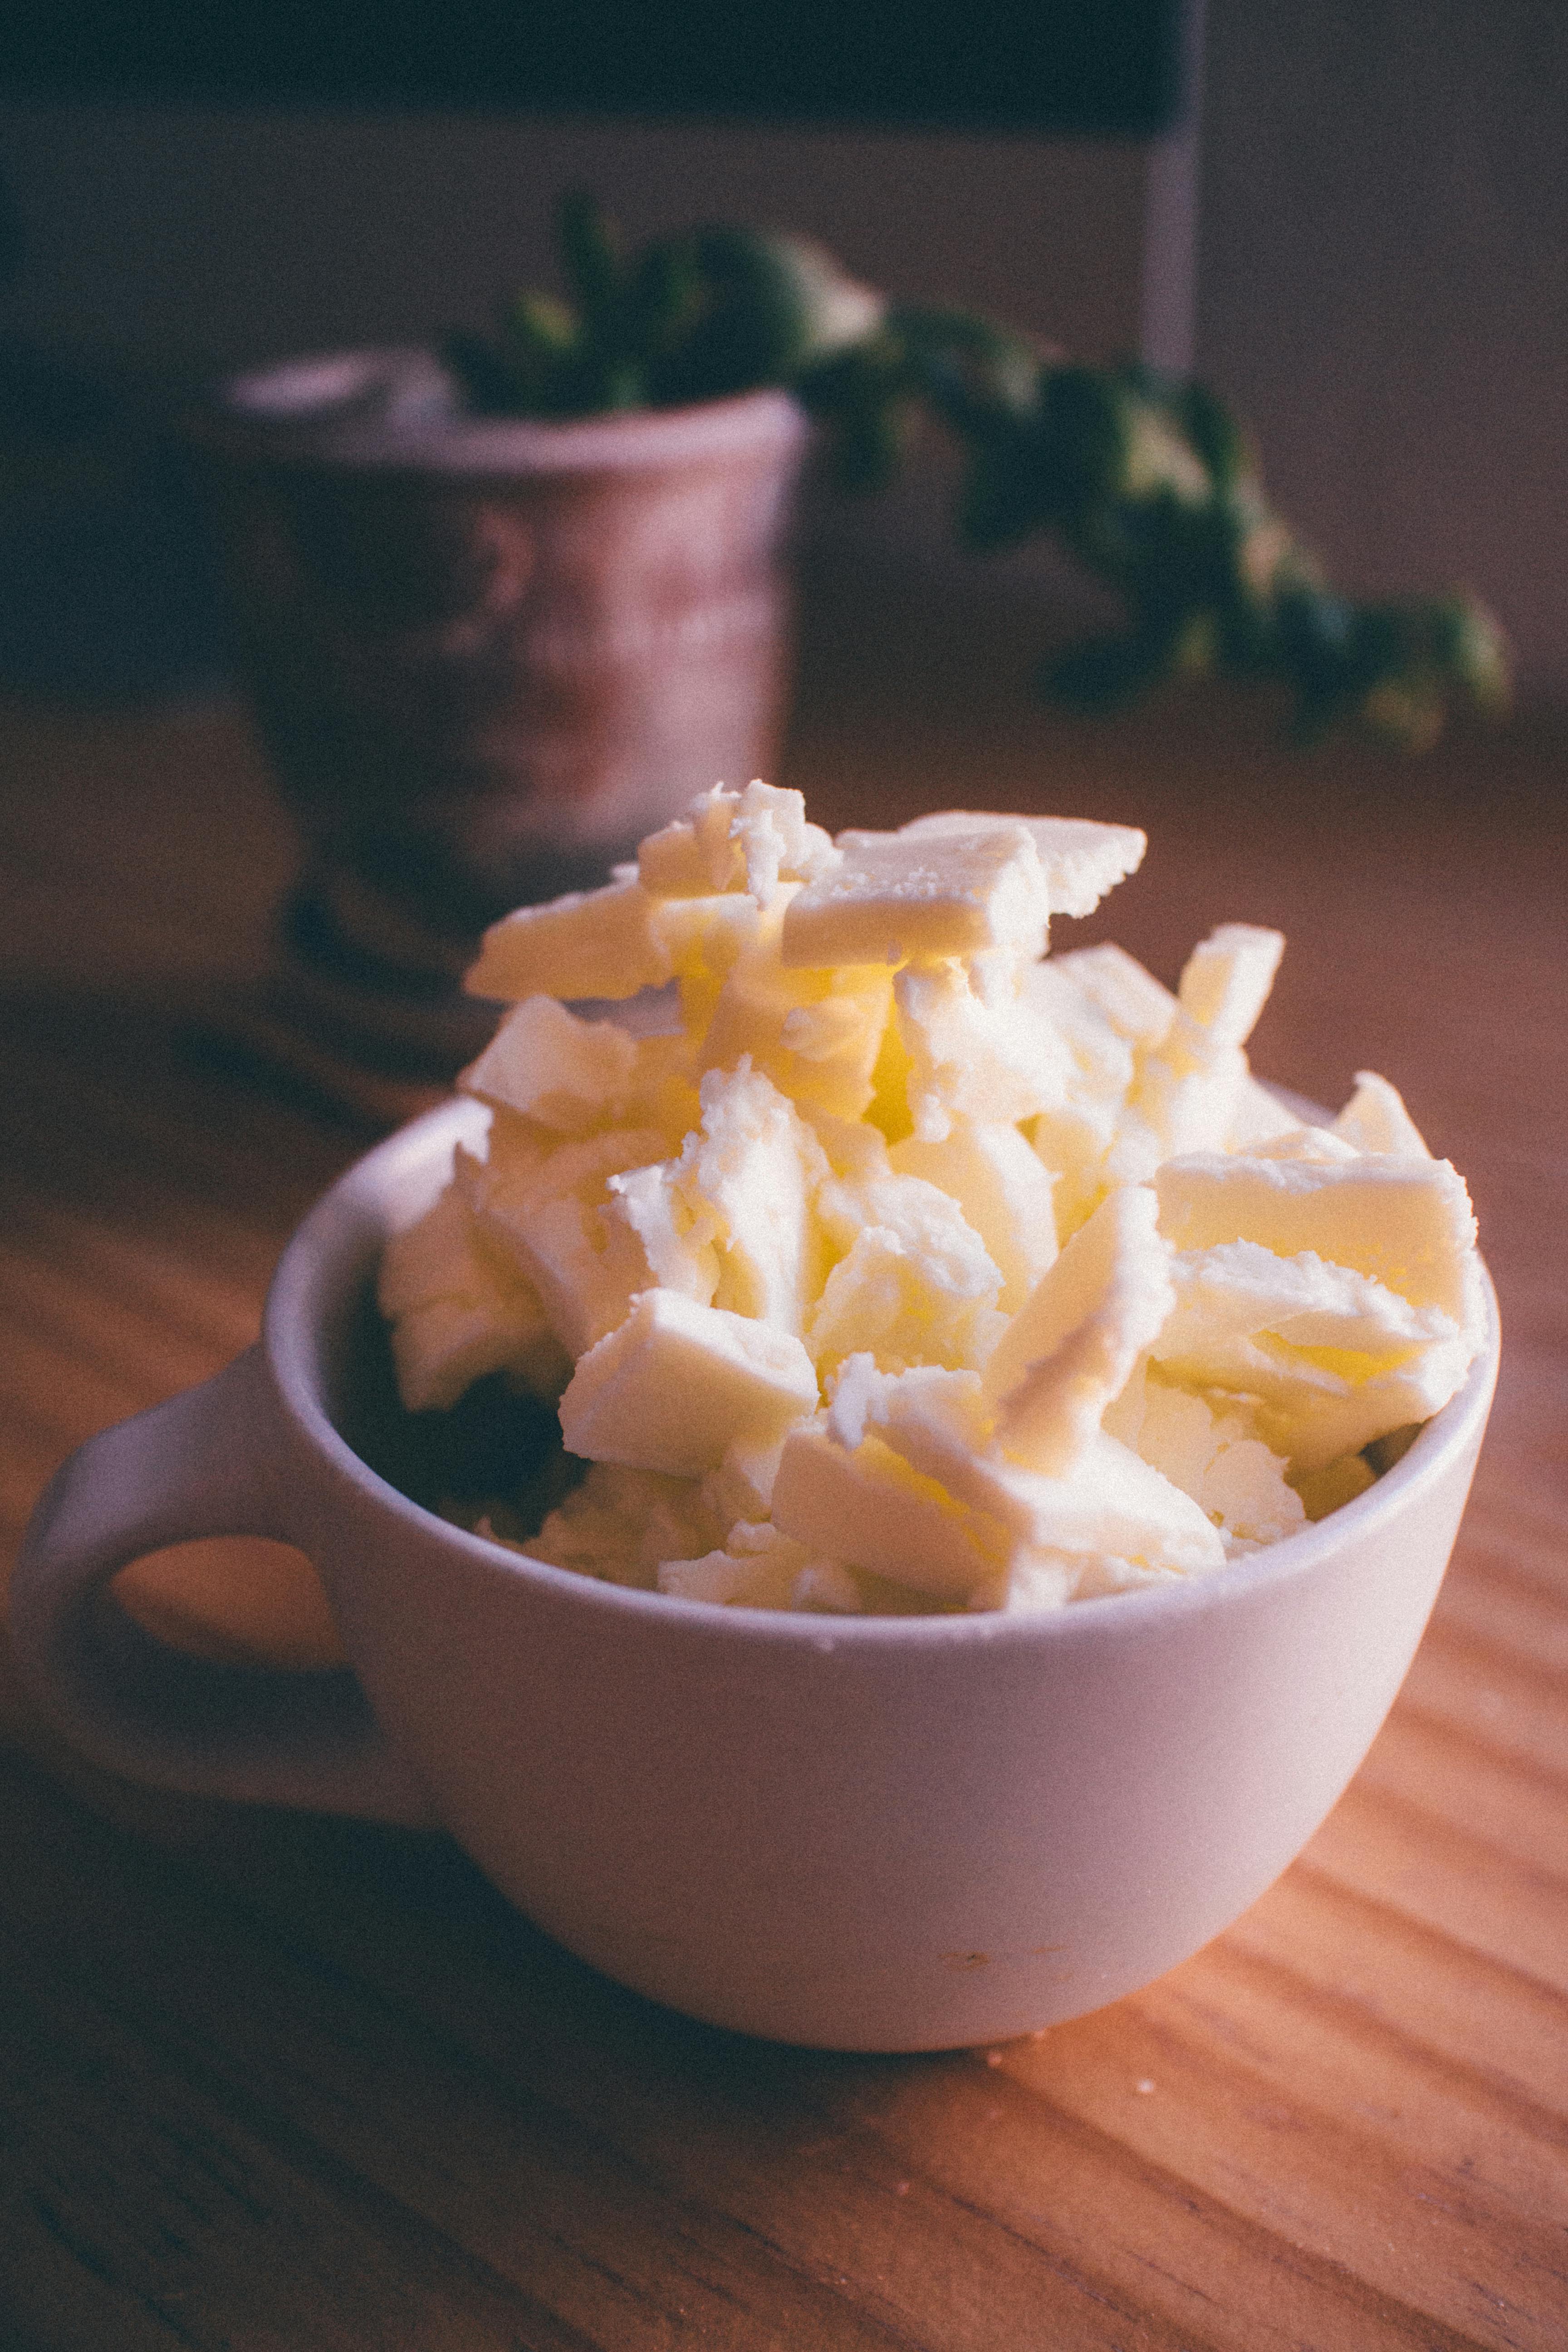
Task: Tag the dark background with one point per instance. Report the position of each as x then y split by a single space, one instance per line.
1061 66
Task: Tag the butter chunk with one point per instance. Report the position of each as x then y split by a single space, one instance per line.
741 1488
620 1524
1407 1222
1003 1191
1137 1006
1082 860
1226 982
728 841
1215 1455
1326 1360
1189 1092
1259 1117
700 940
730 1222
916 1284
1115 1520
1071 1350
895 898
1375 1120
675 1385
938 1423
1104 1007
590 943
870 1509
545 1212
985 1057
460 1311
815 1032
886 1514
543 1061
759 1568
696 854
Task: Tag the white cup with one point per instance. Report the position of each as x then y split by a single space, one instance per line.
865 1833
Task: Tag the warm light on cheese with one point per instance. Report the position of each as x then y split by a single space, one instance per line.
894 897
675 1385
892 1265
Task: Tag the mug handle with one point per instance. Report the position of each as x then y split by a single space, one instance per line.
199 1466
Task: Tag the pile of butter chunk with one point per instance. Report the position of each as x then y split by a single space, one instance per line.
904 1267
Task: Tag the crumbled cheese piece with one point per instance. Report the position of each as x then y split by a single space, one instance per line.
1407 1222
1226 978
816 1032
870 1508
730 1223
676 1384
590 943
1003 1191
621 1525
1211 1449
971 1056
1069 1350
1375 1119
544 1212
1188 1093
1138 1007
729 841
758 1568
460 1311
915 1285
553 1068
896 897
1082 860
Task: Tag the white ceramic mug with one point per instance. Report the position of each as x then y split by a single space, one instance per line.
868 1833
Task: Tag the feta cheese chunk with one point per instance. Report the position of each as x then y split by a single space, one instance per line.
1082 860
552 1066
590 943
621 1525
1210 1449
896 897
1069 1350
1226 978
730 1223
884 1513
815 1032
728 841
1003 1191
1407 1222
973 1052
460 1310
1375 1119
544 1210
916 1284
1188 1095
676 1384
1138 1007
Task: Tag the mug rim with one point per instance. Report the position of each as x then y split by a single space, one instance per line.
302 1290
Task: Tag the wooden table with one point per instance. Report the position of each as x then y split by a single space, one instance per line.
285 2084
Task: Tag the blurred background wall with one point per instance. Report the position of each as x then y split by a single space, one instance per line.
1362 238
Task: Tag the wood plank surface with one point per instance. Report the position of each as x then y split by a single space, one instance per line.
274 2083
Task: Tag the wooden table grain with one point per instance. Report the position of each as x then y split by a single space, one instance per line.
274 2083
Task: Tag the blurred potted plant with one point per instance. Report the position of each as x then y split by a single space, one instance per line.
506 609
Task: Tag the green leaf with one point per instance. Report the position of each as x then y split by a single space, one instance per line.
591 252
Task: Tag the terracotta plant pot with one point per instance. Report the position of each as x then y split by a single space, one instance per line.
487 655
